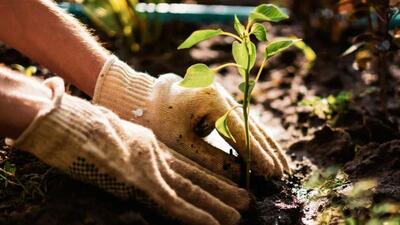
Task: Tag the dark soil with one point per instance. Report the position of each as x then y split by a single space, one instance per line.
363 141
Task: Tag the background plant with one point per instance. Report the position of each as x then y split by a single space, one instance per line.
329 108
118 19
374 45
244 54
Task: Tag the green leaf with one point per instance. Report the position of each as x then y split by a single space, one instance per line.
101 13
259 31
308 52
278 45
253 51
242 86
197 76
268 12
239 53
199 36
238 26
222 126
242 56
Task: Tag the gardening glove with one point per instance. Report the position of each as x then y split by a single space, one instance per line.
180 117
92 144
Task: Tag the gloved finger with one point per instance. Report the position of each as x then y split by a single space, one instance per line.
230 194
182 158
258 142
196 196
274 146
267 143
210 157
262 162
165 196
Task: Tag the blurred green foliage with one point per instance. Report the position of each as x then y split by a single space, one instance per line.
330 107
118 18
347 202
308 52
324 181
6 172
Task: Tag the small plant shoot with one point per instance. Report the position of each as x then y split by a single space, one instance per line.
244 53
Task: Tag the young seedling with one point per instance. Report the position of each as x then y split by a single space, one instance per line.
244 54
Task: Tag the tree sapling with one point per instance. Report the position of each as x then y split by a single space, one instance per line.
244 54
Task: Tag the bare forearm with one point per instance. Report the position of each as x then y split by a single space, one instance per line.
20 100
54 39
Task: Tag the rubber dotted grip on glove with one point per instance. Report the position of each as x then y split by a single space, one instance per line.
88 173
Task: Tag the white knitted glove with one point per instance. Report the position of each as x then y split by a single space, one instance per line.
92 144
180 117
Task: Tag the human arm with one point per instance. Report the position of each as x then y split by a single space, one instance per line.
20 101
51 37
93 145
129 93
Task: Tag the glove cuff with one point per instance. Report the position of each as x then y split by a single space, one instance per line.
122 89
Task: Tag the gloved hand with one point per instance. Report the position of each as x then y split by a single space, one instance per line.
180 117
94 145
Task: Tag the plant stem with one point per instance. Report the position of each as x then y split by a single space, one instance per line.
232 35
260 70
225 65
249 23
246 109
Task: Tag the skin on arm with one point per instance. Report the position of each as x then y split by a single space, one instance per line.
51 37
21 98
